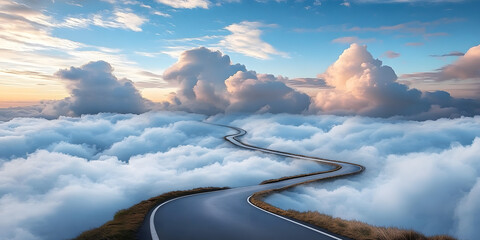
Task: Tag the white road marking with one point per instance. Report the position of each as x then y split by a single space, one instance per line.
284 218
153 231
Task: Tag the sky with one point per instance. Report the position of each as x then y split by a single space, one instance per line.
288 38
102 101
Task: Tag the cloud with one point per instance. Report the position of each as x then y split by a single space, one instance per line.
129 20
121 18
414 44
450 54
245 39
413 28
201 74
28 43
467 66
420 175
209 83
464 73
252 92
408 1
92 166
362 85
391 54
309 86
95 89
352 39
186 3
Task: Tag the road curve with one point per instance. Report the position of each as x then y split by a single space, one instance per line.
228 214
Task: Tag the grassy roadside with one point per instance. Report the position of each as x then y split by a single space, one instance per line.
352 229
126 222
298 176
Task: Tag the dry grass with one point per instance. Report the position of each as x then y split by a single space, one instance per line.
126 222
351 229
299 176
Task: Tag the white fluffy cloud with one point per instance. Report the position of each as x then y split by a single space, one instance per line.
245 39
420 175
61 177
362 85
93 89
209 83
466 67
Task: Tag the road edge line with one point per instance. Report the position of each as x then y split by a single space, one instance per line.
284 218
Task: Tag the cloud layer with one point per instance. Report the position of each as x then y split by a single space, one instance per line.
420 175
61 177
462 76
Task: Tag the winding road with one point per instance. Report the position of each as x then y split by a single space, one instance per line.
228 214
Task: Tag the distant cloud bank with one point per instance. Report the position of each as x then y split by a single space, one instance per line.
209 83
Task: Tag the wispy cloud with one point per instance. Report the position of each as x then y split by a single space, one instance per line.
391 54
245 38
120 18
407 1
352 39
186 3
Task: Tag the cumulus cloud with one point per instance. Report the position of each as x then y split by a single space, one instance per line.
362 85
252 92
420 175
209 83
245 39
95 89
463 74
200 75
61 177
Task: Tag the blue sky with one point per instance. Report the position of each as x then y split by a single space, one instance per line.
292 38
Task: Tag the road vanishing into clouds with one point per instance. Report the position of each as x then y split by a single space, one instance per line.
228 214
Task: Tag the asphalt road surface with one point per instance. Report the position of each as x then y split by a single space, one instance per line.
228 214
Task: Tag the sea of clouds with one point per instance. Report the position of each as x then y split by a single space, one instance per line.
420 175
61 177
64 176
